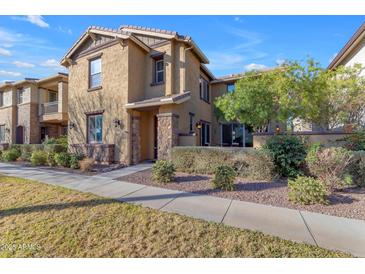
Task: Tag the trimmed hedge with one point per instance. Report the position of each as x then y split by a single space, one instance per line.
26 150
248 162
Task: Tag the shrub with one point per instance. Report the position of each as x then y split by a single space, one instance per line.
26 150
330 165
51 159
255 165
307 190
56 148
74 160
63 159
16 147
61 140
289 154
38 158
11 155
252 163
86 164
355 141
357 168
224 178
163 171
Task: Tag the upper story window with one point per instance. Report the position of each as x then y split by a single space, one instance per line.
230 87
20 96
1 98
204 90
95 73
95 128
158 70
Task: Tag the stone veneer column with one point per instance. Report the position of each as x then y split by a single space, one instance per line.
136 139
167 134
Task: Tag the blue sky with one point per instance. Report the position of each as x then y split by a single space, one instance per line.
32 46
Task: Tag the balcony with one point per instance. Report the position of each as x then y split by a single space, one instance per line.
49 113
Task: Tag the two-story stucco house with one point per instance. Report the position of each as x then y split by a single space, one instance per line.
32 109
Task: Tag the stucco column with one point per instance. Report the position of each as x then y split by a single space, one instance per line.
62 97
167 134
136 138
169 70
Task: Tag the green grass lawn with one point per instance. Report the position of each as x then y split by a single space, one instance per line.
38 220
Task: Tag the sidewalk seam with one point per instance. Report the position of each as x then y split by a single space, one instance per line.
307 226
177 196
224 216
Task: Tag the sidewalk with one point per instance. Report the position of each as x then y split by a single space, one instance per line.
326 231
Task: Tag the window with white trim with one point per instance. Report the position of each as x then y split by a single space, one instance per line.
95 128
159 70
95 73
204 90
20 96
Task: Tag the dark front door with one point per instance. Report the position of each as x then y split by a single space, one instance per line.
20 135
155 144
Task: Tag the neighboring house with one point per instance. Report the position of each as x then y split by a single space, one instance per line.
353 52
32 109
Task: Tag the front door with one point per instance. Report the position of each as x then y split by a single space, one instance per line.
43 133
20 135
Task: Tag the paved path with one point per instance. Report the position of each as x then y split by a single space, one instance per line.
301 226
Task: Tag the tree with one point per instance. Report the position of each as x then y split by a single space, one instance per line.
296 90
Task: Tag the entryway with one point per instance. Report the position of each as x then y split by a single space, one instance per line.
19 135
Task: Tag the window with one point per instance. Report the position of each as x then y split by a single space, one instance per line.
20 94
2 133
95 128
230 87
159 70
205 134
95 73
1 98
53 96
204 90
191 122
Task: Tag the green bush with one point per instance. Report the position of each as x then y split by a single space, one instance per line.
331 166
163 171
249 162
26 150
255 165
55 148
224 178
63 159
289 154
38 158
355 141
11 155
74 160
16 147
61 140
357 168
307 190
51 159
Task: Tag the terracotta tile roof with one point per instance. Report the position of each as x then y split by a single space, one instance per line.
119 31
162 31
344 50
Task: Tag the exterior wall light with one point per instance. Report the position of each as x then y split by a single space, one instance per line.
277 129
117 122
198 125
71 125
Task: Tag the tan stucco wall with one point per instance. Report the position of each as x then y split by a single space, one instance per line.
111 99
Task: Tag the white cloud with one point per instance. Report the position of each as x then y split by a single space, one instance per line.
238 19
52 63
20 64
332 57
64 30
34 19
226 61
5 52
254 66
280 62
9 73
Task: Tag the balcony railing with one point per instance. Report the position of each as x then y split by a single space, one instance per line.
49 108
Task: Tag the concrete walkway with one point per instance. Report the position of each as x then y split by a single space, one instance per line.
326 231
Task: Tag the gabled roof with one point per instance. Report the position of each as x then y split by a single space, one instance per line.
167 34
237 76
121 34
35 81
350 45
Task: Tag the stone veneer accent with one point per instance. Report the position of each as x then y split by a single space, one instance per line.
136 140
167 134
